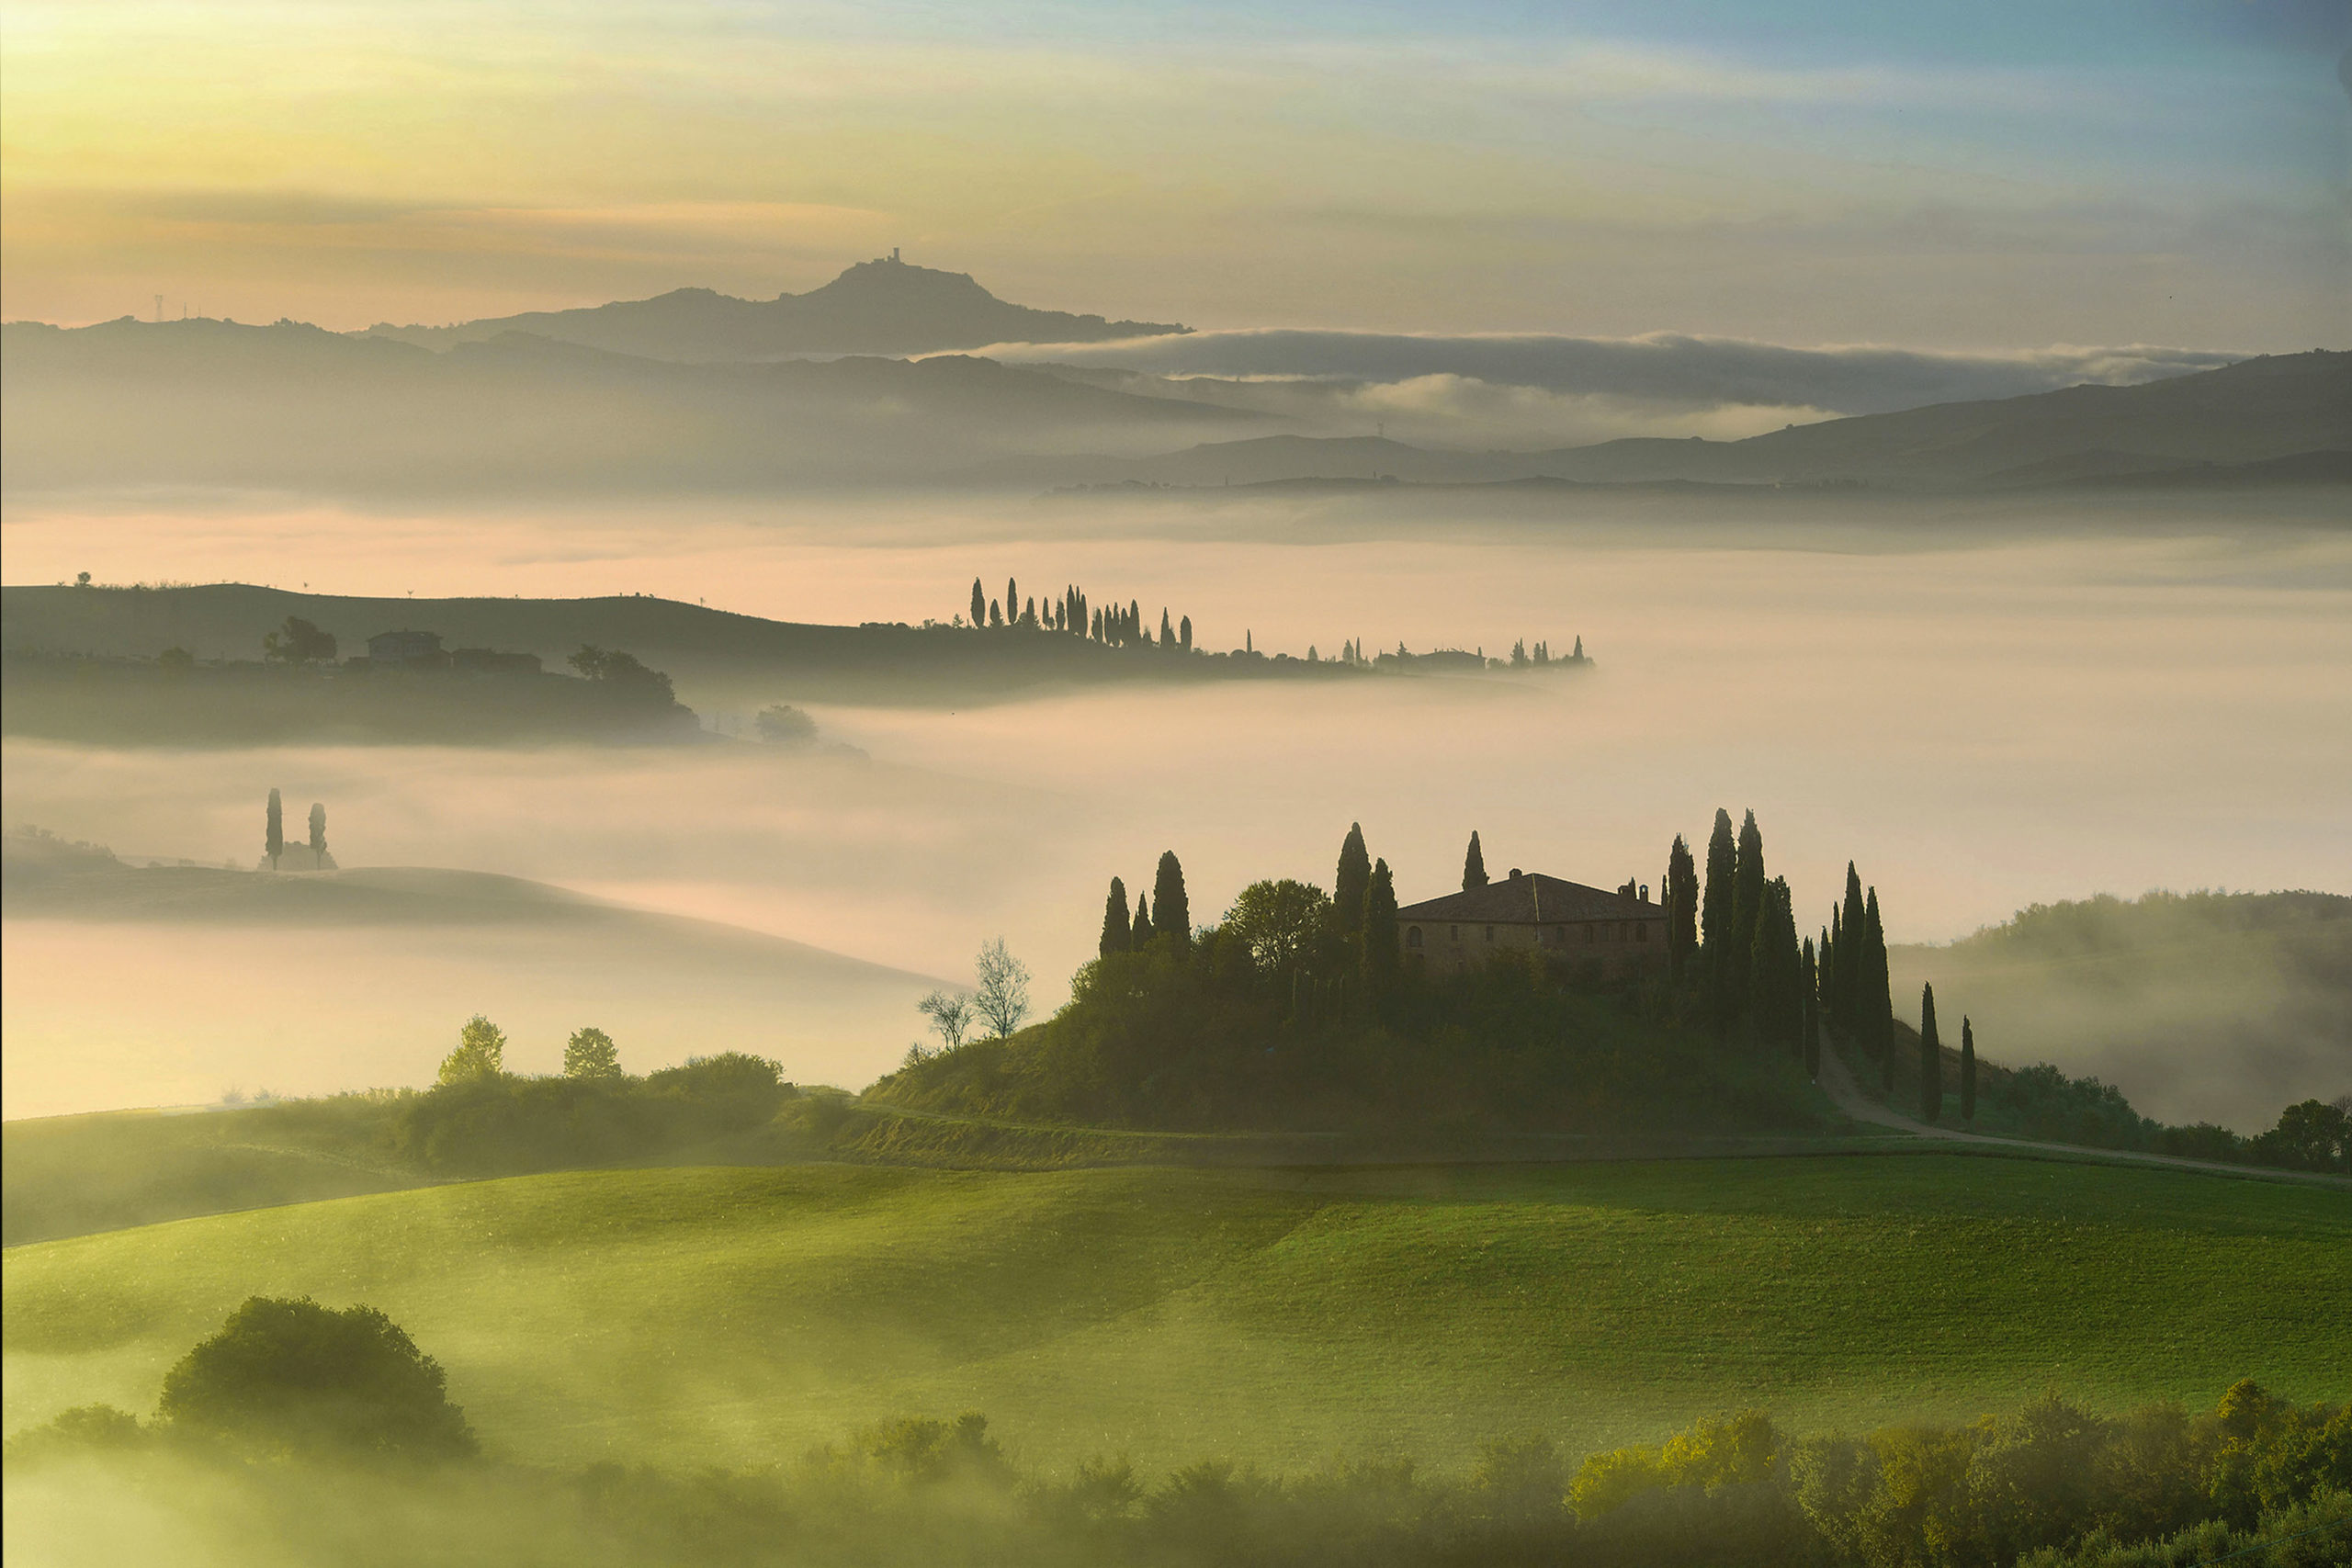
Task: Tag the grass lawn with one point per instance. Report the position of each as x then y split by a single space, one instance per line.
737 1314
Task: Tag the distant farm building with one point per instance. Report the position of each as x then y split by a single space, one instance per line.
1566 922
405 650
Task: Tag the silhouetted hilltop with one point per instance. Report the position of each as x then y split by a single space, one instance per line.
885 306
2287 413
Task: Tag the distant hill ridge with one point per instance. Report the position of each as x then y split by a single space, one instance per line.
884 306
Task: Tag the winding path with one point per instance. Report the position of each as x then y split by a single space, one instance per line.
1837 1083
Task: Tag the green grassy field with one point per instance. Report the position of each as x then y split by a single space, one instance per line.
736 1314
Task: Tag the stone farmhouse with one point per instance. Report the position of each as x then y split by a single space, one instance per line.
1580 927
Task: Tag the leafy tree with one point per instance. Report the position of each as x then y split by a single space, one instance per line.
293 1378
1381 958
1715 909
781 724
1139 934
1116 936
298 642
1277 922
1349 883
318 835
1175 919
951 1014
481 1053
1967 1071
1931 1060
2311 1135
273 840
590 1054
1002 1000
1474 864
979 605
1748 906
1681 890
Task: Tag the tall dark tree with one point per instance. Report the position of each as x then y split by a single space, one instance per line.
1853 958
996 613
1117 937
1167 632
1931 1060
1348 883
979 605
318 836
1139 934
1011 601
1381 959
1747 907
1474 864
1829 960
1775 974
1681 890
273 842
1715 904
1185 633
1874 1023
1175 919
1967 1071
1812 1013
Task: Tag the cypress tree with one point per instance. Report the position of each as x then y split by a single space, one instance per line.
1139 934
1349 883
1029 615
318 836
1095 626
1168 897
1775 993
1380 956
996 613
979 605
273 837
1011 601
1875 1023
1829 961
1715 906
1967 1071
1812 1013
1117 937
1680 892
1853 959
1184 635
1931 1060
1474 864
1167 632
1747 908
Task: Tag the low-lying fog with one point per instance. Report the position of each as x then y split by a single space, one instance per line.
1982 709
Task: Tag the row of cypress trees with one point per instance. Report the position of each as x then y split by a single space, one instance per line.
1364 912
1074 613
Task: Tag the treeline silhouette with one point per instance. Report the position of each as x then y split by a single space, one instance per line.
315 1414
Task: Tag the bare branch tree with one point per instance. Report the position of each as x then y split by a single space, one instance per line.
951 1015
1002 1000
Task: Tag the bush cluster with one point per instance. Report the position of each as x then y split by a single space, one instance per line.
496 1124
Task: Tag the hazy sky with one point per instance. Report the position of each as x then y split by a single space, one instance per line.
1991 174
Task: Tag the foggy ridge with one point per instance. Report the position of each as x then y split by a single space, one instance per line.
884 306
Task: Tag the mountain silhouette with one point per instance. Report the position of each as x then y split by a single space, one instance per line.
885 306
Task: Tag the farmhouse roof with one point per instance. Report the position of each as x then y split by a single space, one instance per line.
1531 898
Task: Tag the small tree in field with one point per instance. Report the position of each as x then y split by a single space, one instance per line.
481 1053
273 838
1002 1000
318 836
951 1015
590 1054
1967 1071
1278 921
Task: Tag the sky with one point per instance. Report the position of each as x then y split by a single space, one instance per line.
1995 176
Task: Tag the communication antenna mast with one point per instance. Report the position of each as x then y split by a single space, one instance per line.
159 306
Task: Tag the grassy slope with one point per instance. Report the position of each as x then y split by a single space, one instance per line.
735 1313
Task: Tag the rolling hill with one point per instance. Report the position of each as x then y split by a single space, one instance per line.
733 1316
211 404
2261 411
884 306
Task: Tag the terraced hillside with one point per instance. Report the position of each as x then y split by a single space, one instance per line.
736 1316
